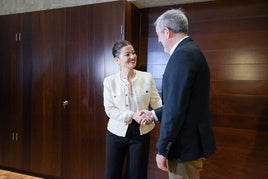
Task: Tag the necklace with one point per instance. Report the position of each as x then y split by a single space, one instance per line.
128 83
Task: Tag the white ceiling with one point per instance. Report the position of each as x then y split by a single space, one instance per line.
155 3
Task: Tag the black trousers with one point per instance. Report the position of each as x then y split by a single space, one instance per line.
134 148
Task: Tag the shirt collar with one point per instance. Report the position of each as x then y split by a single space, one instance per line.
174 47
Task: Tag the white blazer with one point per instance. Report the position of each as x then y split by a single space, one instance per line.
116 101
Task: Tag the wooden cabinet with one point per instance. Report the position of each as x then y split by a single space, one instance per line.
90 36
11 92
62 58
47 91
32 91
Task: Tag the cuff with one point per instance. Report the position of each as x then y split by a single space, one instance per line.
155 117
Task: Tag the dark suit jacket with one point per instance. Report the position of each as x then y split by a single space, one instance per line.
186 132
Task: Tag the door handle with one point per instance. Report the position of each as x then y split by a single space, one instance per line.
65 104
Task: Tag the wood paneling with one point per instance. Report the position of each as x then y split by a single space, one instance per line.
232 35
48 91
66 54
133 25
239 72
90 37
11 93
78 94
245 87
241 153
236 56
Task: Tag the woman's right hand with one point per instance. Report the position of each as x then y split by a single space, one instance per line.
143 117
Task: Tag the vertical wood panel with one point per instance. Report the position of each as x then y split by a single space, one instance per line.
11 90
77 145
48 80
90 37
107 30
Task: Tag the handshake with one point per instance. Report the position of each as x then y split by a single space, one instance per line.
143 117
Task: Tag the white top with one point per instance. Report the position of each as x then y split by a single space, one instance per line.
120 105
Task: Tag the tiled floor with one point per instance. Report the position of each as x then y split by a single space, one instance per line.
12 175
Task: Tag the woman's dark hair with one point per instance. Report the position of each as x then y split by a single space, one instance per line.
118 46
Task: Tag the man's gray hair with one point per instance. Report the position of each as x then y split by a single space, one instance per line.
174 19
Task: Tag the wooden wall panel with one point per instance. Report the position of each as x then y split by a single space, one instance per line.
11 108
232 35
66 54
234 56
245 87
240 153
245 72
90 37
106 31
48 91
78 129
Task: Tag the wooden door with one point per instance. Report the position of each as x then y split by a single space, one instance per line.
11 91
47 91
91 32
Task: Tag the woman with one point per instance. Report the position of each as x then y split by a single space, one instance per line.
126 93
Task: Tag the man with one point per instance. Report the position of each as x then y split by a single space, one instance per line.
186 135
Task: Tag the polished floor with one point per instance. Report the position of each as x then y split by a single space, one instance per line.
12 175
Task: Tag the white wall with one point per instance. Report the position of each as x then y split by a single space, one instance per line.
20 6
